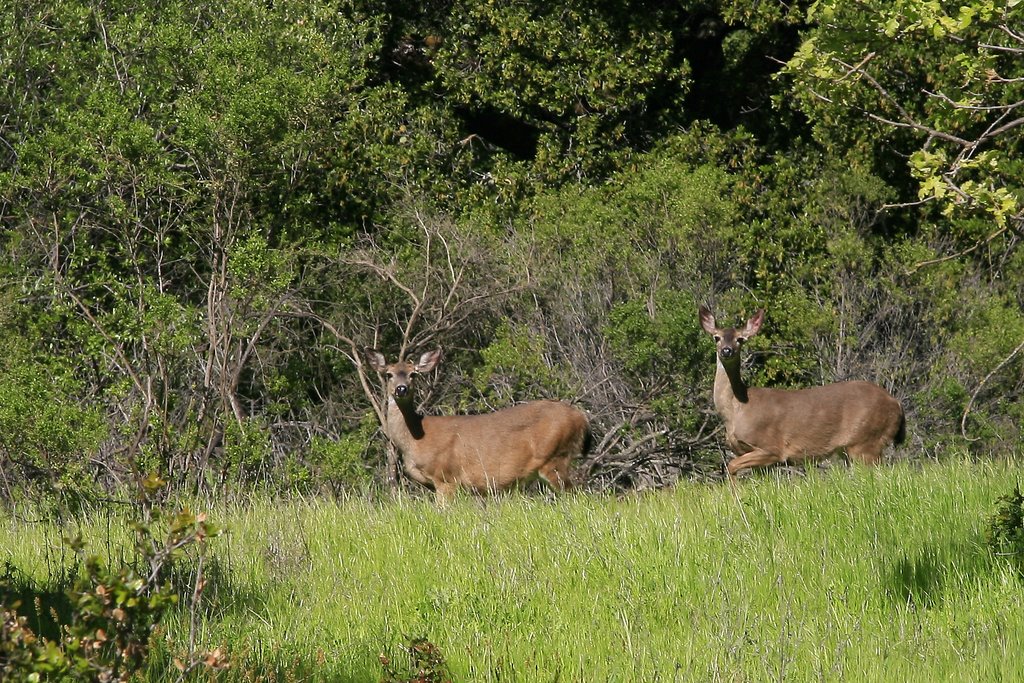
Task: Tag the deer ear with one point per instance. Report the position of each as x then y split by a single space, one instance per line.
754 324
375 359
707 319
428 360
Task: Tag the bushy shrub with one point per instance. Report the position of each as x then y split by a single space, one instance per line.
46 436
420 662
344 463
1005 531
515 367
114 611
247 449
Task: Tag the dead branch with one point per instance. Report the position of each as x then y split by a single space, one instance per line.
970 403
931 262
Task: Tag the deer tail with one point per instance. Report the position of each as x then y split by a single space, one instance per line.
901 432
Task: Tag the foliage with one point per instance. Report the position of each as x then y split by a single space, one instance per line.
345 463
940 80
208 211
549 68
114 612
425 664
46 440
514 367
246 450
1005 531
663 346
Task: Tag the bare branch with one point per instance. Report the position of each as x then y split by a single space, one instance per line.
970 403
970 107
908 205
917 266
1008 126
1013 34
913 125
354 354
907 121
859 66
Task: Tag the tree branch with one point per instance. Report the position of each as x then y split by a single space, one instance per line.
984 381
908 121
921 264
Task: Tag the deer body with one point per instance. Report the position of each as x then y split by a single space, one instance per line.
483 453
765 426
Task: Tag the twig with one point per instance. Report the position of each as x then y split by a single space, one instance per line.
859 65
931 262
970 403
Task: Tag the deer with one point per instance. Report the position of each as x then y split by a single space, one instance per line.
766 426
484 453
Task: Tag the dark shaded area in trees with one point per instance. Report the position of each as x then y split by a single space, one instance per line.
733 68
492 128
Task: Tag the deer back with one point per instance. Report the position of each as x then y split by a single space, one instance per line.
857 417
492 451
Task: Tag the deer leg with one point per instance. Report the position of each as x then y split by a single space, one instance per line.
868 454
556 473
444 491
754 458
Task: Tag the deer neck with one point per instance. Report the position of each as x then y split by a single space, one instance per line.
730 391
405 425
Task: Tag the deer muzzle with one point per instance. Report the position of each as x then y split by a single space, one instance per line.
401 390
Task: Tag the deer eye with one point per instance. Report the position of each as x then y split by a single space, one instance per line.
740 340
717 338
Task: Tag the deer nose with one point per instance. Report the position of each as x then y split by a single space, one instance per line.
401 390
726 352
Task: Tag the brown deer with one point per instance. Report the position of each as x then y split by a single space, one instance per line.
484 453
765 426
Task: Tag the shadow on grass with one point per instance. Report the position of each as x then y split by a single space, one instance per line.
48 605
222 593
921 578
45 608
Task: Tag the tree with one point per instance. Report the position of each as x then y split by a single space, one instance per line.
943 80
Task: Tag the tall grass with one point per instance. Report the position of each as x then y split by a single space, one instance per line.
861 574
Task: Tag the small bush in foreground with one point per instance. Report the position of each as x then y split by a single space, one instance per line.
425 664
1005 533
113 612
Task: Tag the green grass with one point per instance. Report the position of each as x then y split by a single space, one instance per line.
862 574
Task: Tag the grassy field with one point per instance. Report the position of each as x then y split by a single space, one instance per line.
861 574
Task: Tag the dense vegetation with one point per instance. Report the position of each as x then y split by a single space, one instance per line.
208 210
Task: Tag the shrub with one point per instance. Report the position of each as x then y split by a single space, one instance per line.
1005 532
108 635
423 663
45 435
